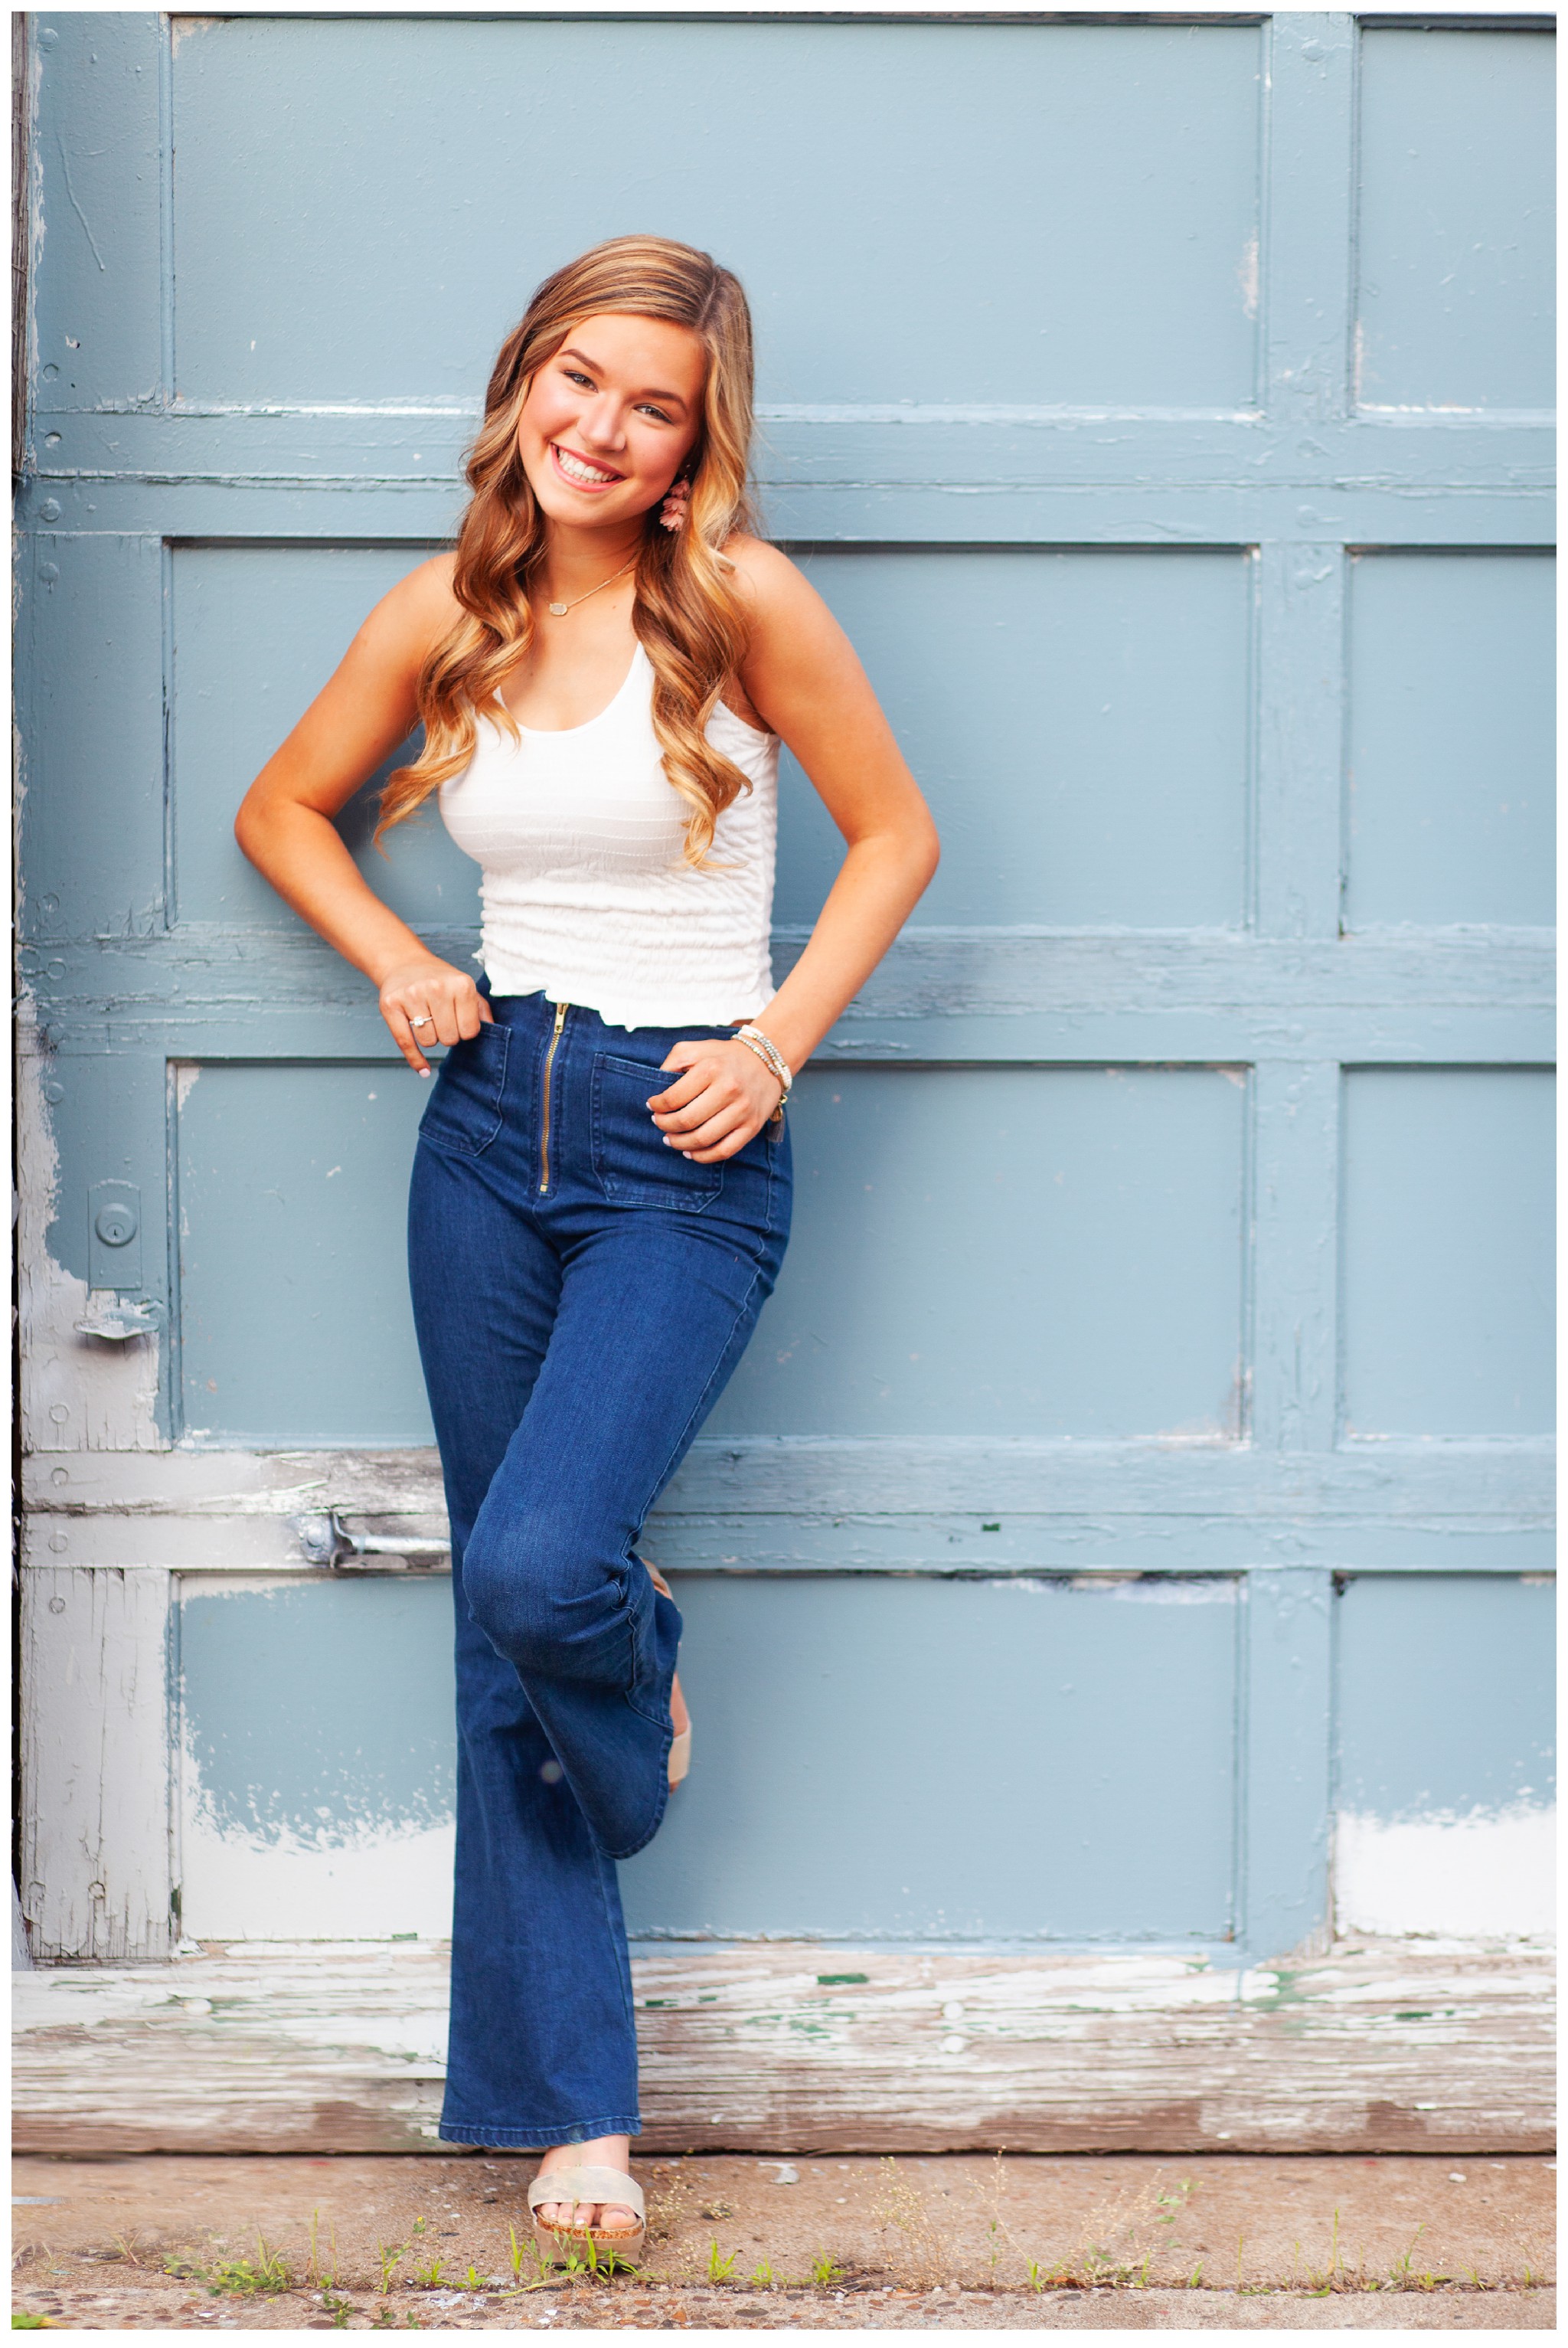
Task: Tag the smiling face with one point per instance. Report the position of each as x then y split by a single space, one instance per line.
609 418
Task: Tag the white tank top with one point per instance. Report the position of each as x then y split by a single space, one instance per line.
579 835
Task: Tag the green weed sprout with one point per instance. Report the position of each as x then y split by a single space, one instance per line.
260 2277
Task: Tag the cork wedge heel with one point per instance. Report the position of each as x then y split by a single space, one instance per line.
681 1750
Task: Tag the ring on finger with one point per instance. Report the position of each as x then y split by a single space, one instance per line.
420 1022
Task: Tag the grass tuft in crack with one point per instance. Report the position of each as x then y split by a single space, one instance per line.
262 2277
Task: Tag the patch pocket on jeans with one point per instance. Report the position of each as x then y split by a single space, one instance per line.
465 1107
634 1166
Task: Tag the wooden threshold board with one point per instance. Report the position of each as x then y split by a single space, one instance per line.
337 2046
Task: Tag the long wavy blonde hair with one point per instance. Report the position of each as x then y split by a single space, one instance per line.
687 613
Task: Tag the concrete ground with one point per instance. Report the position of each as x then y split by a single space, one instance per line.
963 2242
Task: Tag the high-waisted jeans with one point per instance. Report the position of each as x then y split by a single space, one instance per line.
582 1293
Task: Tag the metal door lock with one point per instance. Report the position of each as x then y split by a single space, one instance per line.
327 1542
114 1238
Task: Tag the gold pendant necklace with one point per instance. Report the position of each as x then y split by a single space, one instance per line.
559 611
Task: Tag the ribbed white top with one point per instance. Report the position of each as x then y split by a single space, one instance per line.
578 837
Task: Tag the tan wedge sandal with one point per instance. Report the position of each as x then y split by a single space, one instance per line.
602 2185
681 1750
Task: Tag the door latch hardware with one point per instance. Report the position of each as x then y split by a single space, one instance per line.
327 1542
118 1318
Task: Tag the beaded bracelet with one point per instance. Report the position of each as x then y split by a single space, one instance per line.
768 1052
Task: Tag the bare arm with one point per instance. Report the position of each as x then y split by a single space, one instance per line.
805 682
285 821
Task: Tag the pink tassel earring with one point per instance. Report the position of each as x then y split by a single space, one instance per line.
673 512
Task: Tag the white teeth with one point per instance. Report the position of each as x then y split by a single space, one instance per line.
576 470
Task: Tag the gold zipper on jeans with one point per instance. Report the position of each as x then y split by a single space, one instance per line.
561 1010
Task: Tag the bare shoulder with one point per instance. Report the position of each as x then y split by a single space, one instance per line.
417 613
409 620
778 594
431 581
769 581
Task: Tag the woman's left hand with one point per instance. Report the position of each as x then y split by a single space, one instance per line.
725 1094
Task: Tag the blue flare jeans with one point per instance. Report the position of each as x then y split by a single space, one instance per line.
582 1293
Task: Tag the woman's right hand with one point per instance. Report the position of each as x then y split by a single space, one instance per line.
445 1002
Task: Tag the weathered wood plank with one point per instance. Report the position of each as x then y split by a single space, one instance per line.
833 1504
337 2047
1248 991
95 1762
414 444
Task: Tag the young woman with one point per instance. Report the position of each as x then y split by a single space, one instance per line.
604 670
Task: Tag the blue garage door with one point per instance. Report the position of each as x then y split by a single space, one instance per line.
1164 1338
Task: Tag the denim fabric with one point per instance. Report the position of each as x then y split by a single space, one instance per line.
581 1294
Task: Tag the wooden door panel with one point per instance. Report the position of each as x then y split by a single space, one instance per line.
934 1759
1451 758
1448 1221
256 632
1445 1765
1079 720
833 1799
347 1830
1007 1252
926 170
295 1319
1454 230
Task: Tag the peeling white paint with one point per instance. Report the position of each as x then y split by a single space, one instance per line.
1490 1876
318 2047
1148 1590
1246 275
1173 1590
185 1074
95 1761
183 28
367 1883
78 1393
